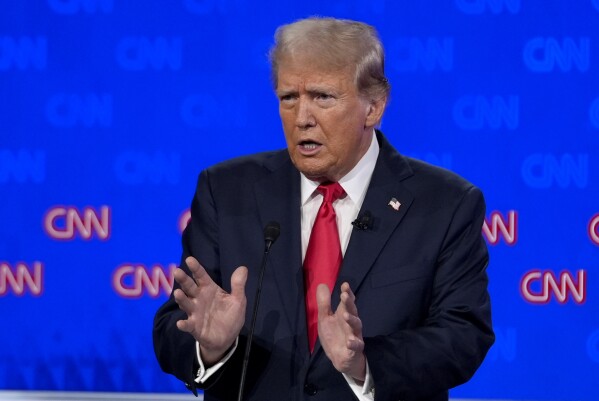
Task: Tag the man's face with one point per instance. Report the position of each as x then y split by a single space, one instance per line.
328 126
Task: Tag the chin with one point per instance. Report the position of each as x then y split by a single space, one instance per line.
314 171
319 176
312 175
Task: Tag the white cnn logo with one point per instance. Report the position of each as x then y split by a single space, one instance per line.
561 288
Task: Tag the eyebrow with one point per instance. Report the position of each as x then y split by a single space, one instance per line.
321 88
312 90
285 92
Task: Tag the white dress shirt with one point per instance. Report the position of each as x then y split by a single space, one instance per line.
355 183
347 208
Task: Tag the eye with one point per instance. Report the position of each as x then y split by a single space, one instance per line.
323 96
287 97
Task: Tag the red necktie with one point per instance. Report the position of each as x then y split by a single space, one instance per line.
323 256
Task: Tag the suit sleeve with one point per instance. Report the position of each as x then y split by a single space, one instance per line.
176 350
445 351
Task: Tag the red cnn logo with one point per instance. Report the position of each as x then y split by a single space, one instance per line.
63 222
594 229
131 280
497 226
21 278
184 220
551 287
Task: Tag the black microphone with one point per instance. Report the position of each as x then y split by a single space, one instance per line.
364 222
271 233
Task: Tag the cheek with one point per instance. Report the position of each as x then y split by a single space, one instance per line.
287 122
346 133
283 115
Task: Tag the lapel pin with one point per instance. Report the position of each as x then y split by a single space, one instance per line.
394 203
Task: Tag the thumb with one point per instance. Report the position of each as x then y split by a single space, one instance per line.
323 300
238 280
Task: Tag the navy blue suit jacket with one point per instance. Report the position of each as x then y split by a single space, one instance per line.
418 275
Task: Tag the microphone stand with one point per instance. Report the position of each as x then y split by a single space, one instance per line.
271 233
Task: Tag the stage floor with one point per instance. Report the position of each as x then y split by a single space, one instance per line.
87 396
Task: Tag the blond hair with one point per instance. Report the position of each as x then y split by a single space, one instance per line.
335 44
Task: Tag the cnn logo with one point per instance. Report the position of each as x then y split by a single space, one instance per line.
133 280
66 222
496 226
21 278
539 287
593 229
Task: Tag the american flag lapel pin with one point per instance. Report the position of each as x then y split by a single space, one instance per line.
395 204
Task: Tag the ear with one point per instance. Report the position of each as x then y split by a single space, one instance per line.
374 112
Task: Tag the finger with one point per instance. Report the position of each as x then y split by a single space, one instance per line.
355 344
187 284
198 272
238 280
354 323
183 301
185 325
348 299
323 300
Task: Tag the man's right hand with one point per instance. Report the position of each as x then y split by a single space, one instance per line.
214 317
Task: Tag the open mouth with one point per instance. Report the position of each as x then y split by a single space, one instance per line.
309 145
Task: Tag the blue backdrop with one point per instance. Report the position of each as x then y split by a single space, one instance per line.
109 109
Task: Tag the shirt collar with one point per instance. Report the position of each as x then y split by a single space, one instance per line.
355 182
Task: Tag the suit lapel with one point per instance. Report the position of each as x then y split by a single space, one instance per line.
365 245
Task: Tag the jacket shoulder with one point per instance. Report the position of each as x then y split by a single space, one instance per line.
435 182
249 163
420 177
236 177
246 168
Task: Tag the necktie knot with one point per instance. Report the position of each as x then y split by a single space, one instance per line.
331 191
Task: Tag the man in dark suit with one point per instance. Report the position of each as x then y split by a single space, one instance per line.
406 315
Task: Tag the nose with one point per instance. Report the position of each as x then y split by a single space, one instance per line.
304 117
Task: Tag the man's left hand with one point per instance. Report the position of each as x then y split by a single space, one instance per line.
340 332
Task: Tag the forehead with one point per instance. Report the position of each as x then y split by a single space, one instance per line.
292 73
